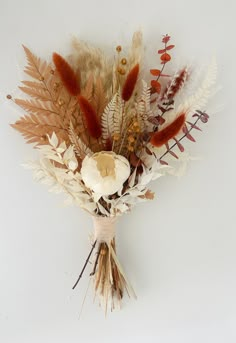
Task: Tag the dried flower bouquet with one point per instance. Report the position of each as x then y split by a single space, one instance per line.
103 133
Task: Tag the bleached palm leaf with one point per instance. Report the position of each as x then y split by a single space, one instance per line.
198 101
136 50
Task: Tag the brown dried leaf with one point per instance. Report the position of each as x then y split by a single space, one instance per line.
148 195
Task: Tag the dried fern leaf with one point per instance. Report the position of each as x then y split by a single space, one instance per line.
80 148
37 107
142 107
37 93
118 114
34 84
49 89
69 111
36 68
35 129
107 119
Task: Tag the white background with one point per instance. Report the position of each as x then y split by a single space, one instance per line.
179 250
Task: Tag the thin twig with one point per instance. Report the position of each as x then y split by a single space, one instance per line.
85 296
96 261
86 262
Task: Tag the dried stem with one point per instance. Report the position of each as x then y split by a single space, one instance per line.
96 261
86 262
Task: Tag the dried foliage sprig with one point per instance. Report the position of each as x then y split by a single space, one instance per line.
104 133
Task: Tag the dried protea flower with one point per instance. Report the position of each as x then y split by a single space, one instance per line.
105 172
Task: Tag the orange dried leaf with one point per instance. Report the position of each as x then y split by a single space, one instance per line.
156 85
148 195
169 47
67 74
166 39
162 51
155 72
165 57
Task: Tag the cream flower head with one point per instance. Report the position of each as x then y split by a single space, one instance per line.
105 172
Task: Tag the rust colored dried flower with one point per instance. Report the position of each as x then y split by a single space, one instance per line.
176 84
90 116
130 83
163 136
67 74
